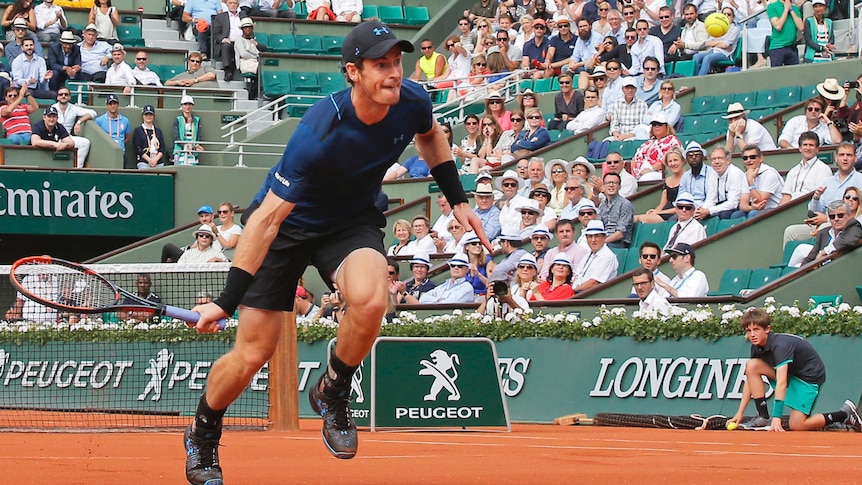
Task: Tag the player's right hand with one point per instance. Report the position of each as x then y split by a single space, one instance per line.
210 315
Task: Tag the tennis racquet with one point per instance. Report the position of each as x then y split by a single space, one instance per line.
74 288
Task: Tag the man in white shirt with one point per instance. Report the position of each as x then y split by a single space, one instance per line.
687 229
742 131
565 232
576 198
226 31
592 116
510 218
441 225
688 282
650 257
601 263
645 289
31 70
809 173
73 117
646 46
615 164
203 251
50 20
143 73
724 189
120 73
423 243
814 119
764 184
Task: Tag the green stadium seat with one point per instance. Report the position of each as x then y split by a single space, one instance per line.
827 157
332 44
554 135
282 43
262 38
815 301
369 12
763 276
684 68
734 61
275 83
786 96
732 282
565 134
544 85
416 15
130 35
790 247
787 270
331 82
621 254
747 99
656 233
309 44
808 92
765 98
725 224
760 113
700 104
711 226
629 148
304 82
391 14
301 10
166 71
720 102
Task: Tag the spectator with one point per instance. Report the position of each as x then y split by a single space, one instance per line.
28 310
530 217
644 284
495 106
627 112
575 189
482 9
503 299
481 265
120 73
411 291
533 136
645 46
15 115
764 182
303 304
665 105
510 247
458 64
201 77
106 18
143 74
525 30
720 48
473 87
809 173
742 131
441 225
621 52
454 245
614 164
19 9
813 120
203 251
498 67
668 33
590 117
143 290
588 212
95 56
64 59
470 144
695 180
687 229
176 14
20 32
484 38
504 23
648 162
600 265
629 14
113 123
688 282
248 51
488 213
614 86
693 36
149 141
535 50
171 253
402 231
568 103
73 117
424 242
31 70
566 247
272 9
673 159
725 189
786 20
199 14
616 212
226 32
842 234
648 83
431 64
650 257
833 187
466 36
540 238
560 48
818 35
416 167
601 25
488 156
510 218
50 20
512 54
536 176
586 47
615 20
851 198
49 134
187 129
228 233
525 283
849 112
557 171
454 290
527 99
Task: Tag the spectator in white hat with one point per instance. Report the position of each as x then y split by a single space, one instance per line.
742 131
687 229
488 213
558 286
510 217
456 289
566 247
510 246
203 252
601 263
541 239
411 290
648 162
120 73
530 216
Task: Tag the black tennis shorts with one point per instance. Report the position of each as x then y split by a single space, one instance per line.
294 248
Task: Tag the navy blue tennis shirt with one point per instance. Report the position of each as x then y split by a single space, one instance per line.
333 165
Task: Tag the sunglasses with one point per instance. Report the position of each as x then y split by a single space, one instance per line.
650 68
490 42
667 88
587 213
749 157
613 162
840 215
612 69
528 213
63 94
596 79
813 108
558 170
526 266
449 46
482 27
140 58
392 273
663 17
487 124
570 189
563 83
534 117
427 47
685 207
480 64
563 26
509 184
603 9
675 255
649 256
642 28
495 101
458 266
502 39
470 123
195 61
207 236
539 27
220 211
851 197
517 120
475 243
463 23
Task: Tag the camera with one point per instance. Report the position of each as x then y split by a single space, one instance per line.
851 84
500 288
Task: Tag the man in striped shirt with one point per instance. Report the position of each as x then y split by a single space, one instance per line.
15 114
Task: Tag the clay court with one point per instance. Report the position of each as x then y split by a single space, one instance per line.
540 454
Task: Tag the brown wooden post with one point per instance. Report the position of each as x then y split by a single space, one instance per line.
283 379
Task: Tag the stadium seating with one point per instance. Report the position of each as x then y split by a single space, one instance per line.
763 276
732 282
130 35
370 11
391 14
304 82
332 44
275 83
416 15
282 43
331 82
309 44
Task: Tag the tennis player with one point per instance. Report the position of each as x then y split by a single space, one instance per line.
796 372
316 207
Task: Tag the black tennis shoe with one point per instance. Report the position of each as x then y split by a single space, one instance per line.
339 430
202 466
852 421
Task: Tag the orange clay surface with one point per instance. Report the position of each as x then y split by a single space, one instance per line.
531 454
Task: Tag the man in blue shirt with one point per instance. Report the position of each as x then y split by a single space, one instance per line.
199 13
695 181
488 213
585 47
561 48
316 207
115 124
536 52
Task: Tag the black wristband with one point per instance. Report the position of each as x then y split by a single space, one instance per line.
446 175
237 282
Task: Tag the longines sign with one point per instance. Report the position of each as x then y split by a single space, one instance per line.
77 203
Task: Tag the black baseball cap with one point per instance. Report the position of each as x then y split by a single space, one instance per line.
370 40
681 248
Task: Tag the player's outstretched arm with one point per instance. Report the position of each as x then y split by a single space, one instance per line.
261 229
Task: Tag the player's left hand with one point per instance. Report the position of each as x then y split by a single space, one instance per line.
210 315
776 425
465 215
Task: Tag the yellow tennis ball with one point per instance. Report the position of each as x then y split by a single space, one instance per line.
730 426
717 24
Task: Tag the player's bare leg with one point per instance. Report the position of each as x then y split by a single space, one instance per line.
256 340
755 370
362 282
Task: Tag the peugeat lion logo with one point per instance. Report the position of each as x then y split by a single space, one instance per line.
157 371
444 372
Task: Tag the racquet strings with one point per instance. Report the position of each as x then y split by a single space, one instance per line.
65 286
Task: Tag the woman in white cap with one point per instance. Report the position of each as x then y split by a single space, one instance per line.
526 277
559 286
581 167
